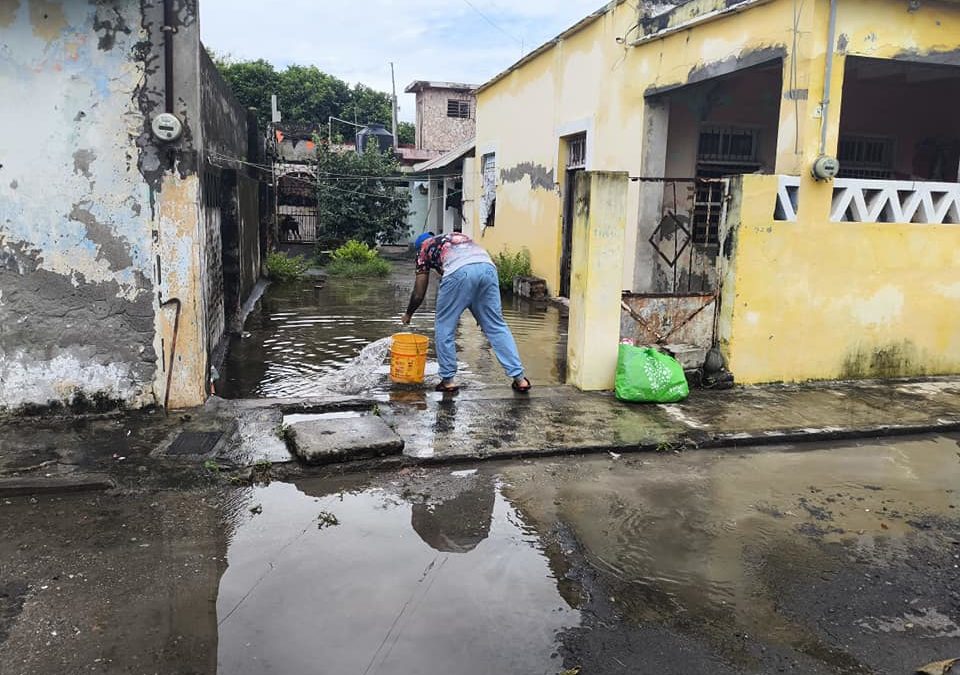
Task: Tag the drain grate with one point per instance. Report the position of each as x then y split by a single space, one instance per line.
194 443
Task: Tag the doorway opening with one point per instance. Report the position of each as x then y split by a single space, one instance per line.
574 149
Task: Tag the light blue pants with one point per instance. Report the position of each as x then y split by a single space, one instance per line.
474 287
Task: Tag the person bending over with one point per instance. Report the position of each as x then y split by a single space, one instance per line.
468 280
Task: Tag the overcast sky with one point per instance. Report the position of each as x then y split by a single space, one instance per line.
426 39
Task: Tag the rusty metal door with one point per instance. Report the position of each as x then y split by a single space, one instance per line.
689 233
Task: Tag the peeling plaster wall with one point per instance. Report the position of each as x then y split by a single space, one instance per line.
102 249
77 309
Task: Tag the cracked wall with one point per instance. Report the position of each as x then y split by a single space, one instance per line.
77 310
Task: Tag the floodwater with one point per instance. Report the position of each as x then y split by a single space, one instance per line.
840 558
300 334
454 585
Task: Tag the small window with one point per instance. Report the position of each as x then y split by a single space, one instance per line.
727 145
721 152
865 157
458 108
577 152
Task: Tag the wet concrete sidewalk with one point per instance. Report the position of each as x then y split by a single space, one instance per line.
150 448
496 422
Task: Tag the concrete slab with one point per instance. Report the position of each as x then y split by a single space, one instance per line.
332 440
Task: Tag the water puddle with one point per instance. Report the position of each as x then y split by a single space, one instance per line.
451 583
719 537
301 339
834 559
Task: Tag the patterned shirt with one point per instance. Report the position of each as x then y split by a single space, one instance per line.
447 253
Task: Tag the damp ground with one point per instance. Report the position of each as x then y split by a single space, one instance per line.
301 333
838 558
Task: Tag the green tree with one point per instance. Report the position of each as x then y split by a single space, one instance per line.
307 95
360 196
406 133
252 82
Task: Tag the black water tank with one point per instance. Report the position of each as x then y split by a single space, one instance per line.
376 133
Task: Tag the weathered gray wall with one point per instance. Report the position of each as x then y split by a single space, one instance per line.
223 119
248 203
225 141
77 307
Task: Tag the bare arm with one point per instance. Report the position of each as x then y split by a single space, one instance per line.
416 297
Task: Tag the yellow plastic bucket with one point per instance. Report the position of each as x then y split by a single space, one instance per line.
408 358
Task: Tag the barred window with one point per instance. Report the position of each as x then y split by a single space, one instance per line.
577 152
865 157
458 108
727 144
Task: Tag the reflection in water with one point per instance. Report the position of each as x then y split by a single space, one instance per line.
371 596
458 524
298 334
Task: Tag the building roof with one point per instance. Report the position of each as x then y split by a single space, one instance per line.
448 158
649 9
419 85
546 46
410 155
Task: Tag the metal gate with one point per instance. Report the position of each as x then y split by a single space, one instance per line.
297 208
691 217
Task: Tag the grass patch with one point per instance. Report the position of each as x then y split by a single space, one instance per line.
356 259
283 268
512 265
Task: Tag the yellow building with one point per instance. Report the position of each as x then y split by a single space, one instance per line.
715 112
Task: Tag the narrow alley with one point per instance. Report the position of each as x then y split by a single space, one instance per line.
567 337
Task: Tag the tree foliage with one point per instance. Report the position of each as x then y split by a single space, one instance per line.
307 95
360 197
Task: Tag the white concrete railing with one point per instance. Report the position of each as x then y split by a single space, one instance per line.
892 201
878 201
788 194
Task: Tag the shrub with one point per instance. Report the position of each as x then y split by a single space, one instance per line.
357 259
283 268
512 265
355 252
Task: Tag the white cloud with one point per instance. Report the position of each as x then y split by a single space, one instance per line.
426 39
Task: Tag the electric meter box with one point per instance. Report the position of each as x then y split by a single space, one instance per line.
826 168
167 127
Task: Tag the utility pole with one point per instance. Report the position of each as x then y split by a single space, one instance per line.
393 82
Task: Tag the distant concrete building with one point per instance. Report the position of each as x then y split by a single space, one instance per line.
446 114
124 256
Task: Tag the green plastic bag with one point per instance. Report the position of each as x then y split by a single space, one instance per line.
649 376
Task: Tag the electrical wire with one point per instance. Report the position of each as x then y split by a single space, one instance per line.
794 72
402 178
495 24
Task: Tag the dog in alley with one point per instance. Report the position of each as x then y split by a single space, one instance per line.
290 228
